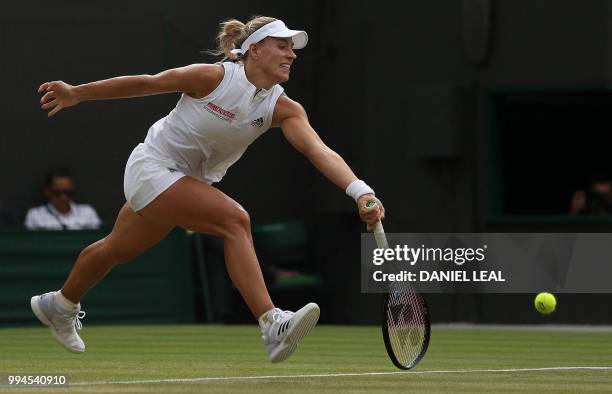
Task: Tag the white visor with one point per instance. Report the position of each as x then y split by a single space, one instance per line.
276 29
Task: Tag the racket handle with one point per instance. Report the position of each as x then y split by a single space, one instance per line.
379 231
381 238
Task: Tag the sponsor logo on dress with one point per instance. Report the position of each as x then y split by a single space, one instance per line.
219 112
257 122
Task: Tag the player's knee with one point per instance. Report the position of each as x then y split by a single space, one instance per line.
237 222
99 251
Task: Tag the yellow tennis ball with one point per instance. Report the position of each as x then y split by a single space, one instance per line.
545 303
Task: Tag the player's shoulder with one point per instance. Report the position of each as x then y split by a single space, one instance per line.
213 72
204 78
288 107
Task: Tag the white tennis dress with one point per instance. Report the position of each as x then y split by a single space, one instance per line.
200 138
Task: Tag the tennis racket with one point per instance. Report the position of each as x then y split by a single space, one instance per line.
405 318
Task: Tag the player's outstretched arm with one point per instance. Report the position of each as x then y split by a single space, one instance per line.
197 80
293 120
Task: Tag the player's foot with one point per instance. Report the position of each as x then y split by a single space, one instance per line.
284 329
63 323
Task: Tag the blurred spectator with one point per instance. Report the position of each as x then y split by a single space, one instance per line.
597 200
61 212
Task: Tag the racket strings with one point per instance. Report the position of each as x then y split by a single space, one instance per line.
406 325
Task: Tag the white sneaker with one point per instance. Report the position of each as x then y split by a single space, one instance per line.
63 324
284 329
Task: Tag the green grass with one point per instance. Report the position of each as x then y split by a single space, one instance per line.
125 353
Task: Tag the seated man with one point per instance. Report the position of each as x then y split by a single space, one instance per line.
60 212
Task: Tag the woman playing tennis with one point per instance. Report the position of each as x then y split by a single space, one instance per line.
168 179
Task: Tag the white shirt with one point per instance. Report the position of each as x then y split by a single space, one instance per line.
204 137
46 217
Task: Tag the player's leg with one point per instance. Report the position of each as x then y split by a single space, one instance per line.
197 206
200 207
131 235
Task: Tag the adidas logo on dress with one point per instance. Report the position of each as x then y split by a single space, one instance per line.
257 122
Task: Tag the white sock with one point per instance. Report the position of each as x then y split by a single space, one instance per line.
64 302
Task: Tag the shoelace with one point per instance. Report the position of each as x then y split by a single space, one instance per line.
77 320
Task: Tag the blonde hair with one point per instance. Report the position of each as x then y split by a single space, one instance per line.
233 33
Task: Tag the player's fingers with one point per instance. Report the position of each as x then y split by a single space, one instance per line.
50 104
377 218
43 87
49 95
370 215
380 211
54 111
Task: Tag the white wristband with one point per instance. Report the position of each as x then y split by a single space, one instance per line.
357 189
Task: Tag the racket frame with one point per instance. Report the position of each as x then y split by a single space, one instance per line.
381 242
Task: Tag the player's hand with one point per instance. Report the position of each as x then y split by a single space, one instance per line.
370 215
57 95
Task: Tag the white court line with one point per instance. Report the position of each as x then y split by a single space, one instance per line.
238 378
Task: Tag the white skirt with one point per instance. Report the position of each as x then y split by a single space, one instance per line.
147 176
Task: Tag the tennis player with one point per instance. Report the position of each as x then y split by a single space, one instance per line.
224 107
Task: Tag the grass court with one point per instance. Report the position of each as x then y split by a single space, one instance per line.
208 358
